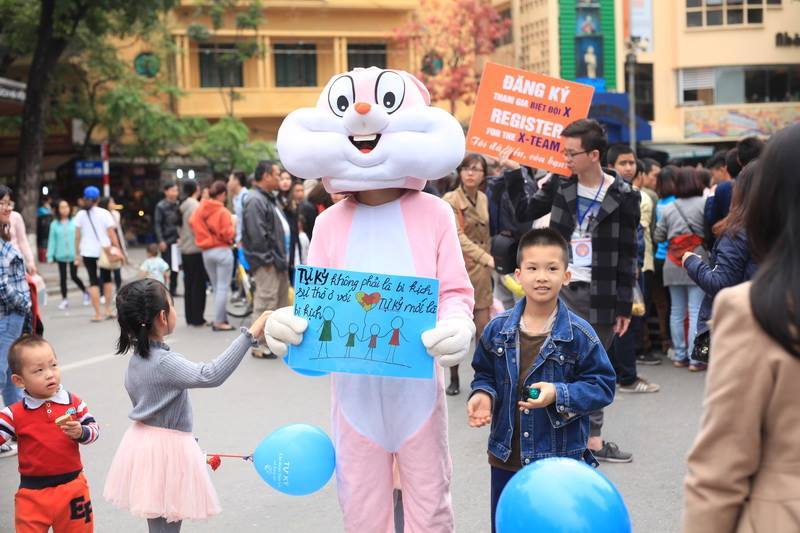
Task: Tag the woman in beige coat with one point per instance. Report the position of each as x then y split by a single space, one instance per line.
472 218
744 467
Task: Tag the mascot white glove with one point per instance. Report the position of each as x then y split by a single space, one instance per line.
283 328
449 341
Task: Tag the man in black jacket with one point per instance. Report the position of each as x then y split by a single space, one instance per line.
264 231
598 214
167 224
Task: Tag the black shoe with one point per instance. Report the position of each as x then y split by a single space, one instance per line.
650 359
610 453
452 389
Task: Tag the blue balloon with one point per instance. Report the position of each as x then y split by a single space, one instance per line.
297 459
561 495
312 373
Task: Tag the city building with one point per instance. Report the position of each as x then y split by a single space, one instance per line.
722 69
304 43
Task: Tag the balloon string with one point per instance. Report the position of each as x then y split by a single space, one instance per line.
245 457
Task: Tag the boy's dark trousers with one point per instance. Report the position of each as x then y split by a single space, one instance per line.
500 478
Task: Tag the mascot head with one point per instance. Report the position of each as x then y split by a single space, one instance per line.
371 129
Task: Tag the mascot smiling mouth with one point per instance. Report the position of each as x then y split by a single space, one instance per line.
365 143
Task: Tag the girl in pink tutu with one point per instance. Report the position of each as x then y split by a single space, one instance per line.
159 471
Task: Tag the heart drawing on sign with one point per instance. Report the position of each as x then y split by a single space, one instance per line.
368 301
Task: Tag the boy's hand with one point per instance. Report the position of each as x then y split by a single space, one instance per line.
72 429
547 396
479 410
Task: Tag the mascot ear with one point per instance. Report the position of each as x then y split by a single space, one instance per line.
426 96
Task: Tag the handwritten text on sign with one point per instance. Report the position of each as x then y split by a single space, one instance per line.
527 111
364 323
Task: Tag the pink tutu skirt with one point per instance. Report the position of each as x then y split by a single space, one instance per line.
159 472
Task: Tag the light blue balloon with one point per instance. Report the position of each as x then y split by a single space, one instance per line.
560 495
297 459
312 373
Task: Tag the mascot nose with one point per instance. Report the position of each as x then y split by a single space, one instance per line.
362 108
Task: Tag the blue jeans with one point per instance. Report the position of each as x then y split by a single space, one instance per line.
10 330
684 298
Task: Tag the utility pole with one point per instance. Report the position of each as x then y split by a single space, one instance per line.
630 67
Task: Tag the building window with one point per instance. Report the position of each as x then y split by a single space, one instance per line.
739 85
220 66
508 38
366 55
295 65
712 13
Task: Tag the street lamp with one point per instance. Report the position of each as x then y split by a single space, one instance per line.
633 45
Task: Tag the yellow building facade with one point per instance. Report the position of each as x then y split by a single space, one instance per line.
304 43
723 69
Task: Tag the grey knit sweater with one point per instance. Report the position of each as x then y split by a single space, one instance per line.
158 385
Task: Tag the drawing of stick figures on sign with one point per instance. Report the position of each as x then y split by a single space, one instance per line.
394 342
374 331
326 330
352 330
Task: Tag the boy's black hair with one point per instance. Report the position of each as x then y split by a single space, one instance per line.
168 185
189 187
152 249
649 163
241 177
19 345
732 162
138 305
749 149
717 160
616 150
543 237
591 134
639 166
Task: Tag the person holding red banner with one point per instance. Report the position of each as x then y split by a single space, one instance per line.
597 212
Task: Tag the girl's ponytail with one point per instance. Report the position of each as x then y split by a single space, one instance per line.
138 305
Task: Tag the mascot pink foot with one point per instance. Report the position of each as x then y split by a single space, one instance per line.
375 130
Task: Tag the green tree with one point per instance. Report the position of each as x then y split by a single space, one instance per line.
60 24
226 146
228 59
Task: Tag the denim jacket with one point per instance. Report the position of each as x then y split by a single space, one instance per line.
572 358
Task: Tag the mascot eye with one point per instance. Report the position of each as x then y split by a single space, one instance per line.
341 95
390 90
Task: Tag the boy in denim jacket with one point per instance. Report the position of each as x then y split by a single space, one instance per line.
538 347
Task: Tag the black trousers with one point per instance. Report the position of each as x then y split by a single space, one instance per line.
166 255
623 353
194 281
73 273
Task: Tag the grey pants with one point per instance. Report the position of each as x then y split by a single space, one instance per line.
160 525
577 296
219 267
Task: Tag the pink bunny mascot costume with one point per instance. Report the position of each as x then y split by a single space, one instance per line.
375 129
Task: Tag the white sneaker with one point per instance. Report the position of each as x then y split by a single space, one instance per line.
8 449
102 300
86 299
63 305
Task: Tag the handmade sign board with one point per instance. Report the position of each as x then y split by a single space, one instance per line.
362 323
526 111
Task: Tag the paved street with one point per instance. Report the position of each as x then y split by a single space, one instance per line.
264 395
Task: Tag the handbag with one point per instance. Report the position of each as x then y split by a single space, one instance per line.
104 261
701 350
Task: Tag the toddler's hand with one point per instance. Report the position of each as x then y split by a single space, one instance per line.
479 410
72 429
257 328
547 396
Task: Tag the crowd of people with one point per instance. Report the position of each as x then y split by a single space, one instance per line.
627 260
